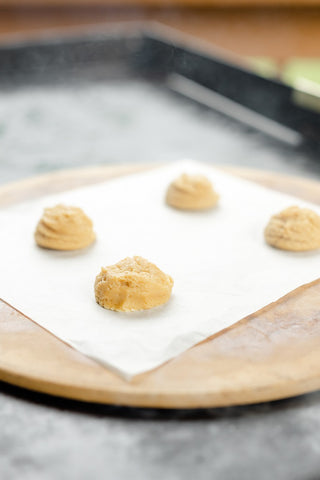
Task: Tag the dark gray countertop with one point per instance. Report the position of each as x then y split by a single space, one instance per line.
46 438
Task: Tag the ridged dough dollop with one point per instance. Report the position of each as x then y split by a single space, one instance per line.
64 228
191 192
132 284
295 228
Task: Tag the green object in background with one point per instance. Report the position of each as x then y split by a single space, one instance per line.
302 74
297 68
289 71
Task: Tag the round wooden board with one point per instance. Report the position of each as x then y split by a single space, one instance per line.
269 355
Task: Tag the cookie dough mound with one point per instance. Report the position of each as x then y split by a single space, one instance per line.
191 192
132 284
64 228
296 229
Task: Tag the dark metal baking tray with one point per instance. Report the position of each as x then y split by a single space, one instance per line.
187 72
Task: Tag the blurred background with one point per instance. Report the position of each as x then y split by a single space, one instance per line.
47 125
278 38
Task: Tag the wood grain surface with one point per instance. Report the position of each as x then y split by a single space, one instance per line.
162 3
269 355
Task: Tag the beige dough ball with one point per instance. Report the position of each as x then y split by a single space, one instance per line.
296 229
64 228
132 284
191 192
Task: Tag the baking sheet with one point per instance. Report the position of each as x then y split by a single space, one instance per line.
222 268
66 126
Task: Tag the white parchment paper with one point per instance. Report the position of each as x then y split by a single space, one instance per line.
221 266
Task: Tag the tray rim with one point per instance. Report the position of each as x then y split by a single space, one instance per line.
167 50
